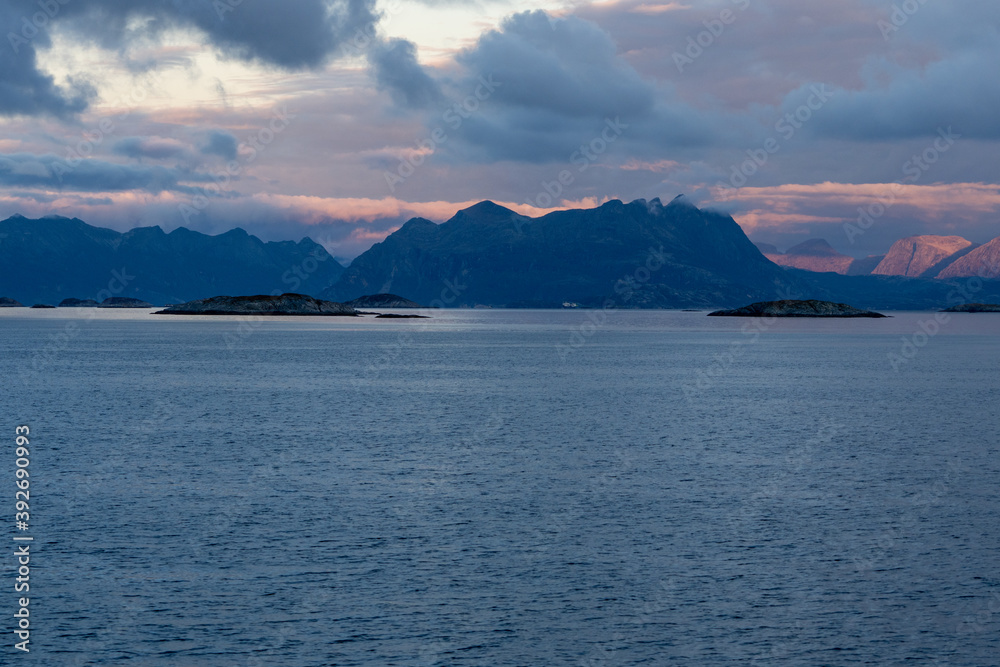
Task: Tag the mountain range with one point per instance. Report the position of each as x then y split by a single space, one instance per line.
488 255
641 254
922 256
819 256
55 258
926 256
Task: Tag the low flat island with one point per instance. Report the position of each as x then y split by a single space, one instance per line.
974 308
382 301
796 308
261 304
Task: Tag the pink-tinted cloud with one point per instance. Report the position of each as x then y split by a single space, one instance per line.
663 8
745 52
862 219
935 201
657 166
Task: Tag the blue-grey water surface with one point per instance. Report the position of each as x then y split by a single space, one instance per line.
505 488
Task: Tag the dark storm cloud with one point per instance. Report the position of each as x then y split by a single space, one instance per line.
962 92
743 52
292 34
288 33
149 147
558 84
220 143
900 69
563 65
394 64
51 172
24 90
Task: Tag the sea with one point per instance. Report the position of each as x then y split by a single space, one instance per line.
503 488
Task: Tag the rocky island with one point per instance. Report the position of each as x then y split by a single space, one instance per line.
974 308
382 301
78 303
286 304
796 308
124 302
7 302
42 305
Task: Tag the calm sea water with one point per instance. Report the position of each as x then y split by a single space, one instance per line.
506 488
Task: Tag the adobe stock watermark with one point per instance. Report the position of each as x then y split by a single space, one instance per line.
651 611
750 332
105 129
582 158
928 328
624 288
449 474
364 37
254 146
898 17
714 28
985 617
31 26
789 469
453 117
223 7
293 279
57 343
786 127
913 169
908 526
388 360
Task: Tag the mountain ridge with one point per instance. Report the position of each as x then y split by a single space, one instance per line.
812 255
923 256
490 255
55 257
641 254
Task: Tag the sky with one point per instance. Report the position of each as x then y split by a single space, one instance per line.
857 121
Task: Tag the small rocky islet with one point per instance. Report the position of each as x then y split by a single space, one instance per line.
289 304
796 308
974 308
382 301
110 302
261 304
124 302
78 303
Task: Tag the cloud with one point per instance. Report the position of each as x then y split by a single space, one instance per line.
395 66
939 200
559 81
960 91
50 172
659 8
222 144
899 73
745 53
289 34
24 89
657 166
156 148
565 66
786 214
